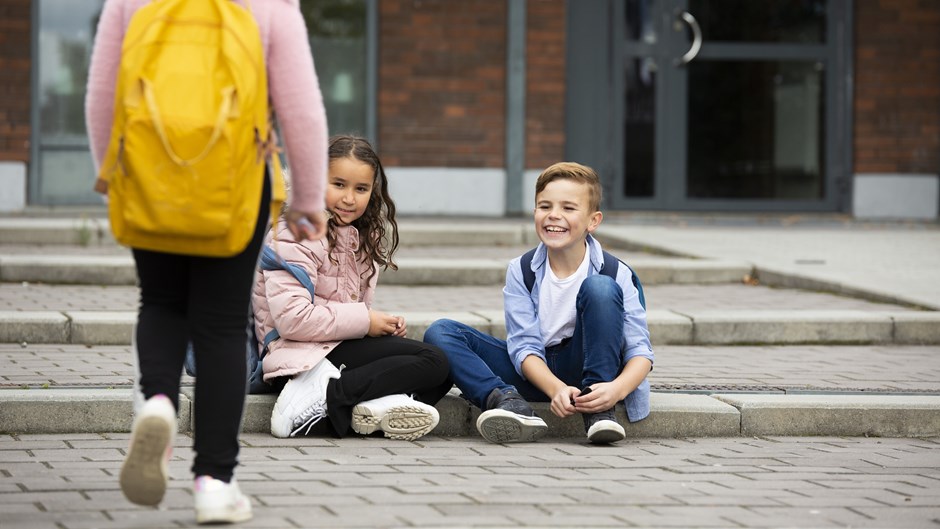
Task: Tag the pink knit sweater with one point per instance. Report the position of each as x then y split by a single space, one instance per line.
292 83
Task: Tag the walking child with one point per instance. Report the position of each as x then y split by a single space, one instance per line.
193 296
347 362
576 338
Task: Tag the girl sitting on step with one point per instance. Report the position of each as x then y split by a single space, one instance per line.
346 361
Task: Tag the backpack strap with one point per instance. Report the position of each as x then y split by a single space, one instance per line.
528 276
609 269
270 260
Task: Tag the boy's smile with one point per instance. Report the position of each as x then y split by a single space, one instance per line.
562 215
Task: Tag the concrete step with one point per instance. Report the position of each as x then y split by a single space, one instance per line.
672 415
703 327
69 268
95 231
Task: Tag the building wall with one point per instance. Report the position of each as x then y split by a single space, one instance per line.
442 83
545 83
897 86
897 109
14 80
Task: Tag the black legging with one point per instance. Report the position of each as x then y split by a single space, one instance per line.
205 300
376 367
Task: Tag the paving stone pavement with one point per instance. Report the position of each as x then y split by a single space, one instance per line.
791 369
69 482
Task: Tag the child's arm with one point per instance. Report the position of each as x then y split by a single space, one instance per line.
523 335
604 395
536 371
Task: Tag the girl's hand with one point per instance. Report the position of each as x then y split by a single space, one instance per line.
561 402
400 330
381 324
603 396
306 225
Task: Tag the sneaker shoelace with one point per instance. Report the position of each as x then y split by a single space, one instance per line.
307 419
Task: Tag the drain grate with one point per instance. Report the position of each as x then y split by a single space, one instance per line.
785 390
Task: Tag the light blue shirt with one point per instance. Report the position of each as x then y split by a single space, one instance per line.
524 337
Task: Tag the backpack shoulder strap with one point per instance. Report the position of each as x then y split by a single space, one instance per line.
528 276
611 263
270 260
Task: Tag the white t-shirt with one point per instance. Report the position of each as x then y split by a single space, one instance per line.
557 302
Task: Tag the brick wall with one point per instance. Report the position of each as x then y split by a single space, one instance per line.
442 83
14 80
545 80
897 86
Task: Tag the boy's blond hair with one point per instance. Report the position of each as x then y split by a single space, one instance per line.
581 174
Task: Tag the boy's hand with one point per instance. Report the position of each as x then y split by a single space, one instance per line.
561 402
381 324
603 396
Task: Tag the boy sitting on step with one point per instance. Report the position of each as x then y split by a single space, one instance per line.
577 337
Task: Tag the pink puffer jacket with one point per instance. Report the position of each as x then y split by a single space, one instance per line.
310 329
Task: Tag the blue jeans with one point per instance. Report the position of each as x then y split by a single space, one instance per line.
480 363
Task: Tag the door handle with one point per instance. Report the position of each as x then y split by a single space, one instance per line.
696 38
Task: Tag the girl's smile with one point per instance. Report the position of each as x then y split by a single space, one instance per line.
349 189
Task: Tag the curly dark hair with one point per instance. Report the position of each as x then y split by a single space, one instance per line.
378 230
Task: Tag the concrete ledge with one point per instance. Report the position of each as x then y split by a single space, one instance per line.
72 269
668 327
689 271
461 234
72 411
445 272
102 328
46 231
790 327
850 415
34 327
917 327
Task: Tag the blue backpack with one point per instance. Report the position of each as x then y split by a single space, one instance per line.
256 384
609 269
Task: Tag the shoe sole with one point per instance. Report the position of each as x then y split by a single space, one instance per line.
405 423
144 472
501 426
606 434
222 516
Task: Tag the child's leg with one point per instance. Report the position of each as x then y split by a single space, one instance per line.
595 351
376 367
479 363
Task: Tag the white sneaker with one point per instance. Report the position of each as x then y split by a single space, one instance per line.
398 416
220 502
144 472
302 402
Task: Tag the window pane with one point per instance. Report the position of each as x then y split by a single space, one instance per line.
66 30
802 21
768 144
639 128
338 38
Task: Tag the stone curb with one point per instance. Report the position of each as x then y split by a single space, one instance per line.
119 270
701 327
673 415
837 415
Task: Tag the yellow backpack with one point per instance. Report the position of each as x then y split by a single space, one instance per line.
191 132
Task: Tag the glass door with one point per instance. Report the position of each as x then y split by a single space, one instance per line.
727 104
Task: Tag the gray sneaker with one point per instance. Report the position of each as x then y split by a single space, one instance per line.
509 419
603 428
